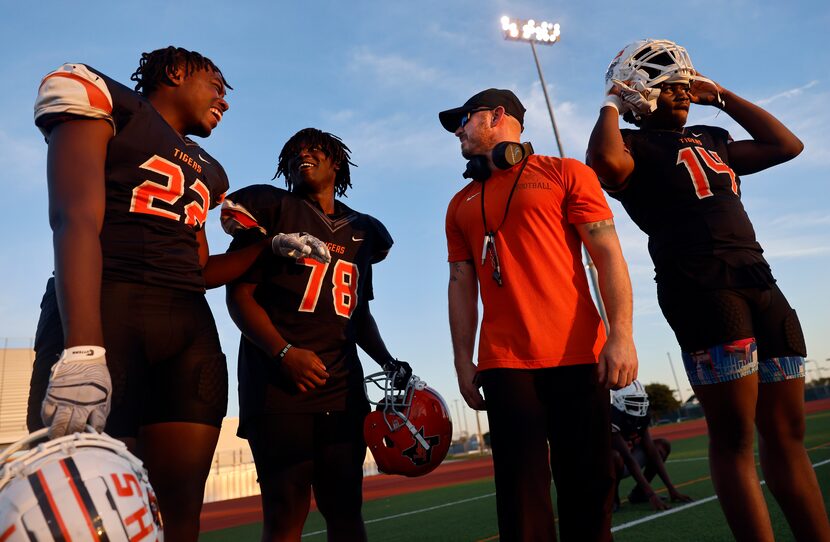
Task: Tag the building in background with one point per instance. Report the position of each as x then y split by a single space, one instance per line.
15 372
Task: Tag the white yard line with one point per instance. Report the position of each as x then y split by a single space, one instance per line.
613 530
420 511
659 515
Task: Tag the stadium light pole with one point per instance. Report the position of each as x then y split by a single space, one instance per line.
676 382
547 33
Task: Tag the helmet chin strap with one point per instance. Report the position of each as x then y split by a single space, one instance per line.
415 433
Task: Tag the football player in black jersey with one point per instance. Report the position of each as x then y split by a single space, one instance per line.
129 194
742 344
302 402
636 454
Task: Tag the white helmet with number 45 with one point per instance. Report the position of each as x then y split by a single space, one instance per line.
79 487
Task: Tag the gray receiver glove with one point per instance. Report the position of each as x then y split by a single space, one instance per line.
300 245
79 392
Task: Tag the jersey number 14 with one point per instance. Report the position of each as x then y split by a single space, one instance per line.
691 158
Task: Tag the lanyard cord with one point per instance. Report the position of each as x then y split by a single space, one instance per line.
506 207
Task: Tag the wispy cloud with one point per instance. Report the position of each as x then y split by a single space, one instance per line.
394 69
801 220
24 161
792 93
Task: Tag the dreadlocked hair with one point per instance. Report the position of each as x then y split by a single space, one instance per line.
154 66
330 144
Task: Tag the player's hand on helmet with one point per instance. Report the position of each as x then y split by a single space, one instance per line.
676 496
304 368
636 98
617 361
79 392
300 245
468 384
704 91
401 373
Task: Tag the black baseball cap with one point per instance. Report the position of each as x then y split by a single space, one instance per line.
490 98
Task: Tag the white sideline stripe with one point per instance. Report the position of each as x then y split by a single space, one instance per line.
613 529
686 460
658 515
386 518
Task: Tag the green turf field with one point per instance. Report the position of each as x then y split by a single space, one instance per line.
467 512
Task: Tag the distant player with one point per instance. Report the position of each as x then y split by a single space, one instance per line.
302 316
129 194
636 454
743 348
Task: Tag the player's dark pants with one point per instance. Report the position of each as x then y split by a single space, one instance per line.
296 452
566 408
163 354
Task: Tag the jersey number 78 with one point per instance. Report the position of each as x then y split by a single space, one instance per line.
344 286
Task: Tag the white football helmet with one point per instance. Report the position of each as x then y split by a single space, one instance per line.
80 487
650 62
632 399
643 65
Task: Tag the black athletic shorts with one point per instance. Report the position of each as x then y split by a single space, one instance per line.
163 354
323 449
703 319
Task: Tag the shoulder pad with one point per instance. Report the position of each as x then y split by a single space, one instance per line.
72 90
243 209
384 239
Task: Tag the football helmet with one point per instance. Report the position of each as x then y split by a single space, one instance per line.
410 431
650 62
83 486
632 399
643 65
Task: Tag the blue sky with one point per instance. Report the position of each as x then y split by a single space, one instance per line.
377 73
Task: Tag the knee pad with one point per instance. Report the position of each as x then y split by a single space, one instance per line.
722 363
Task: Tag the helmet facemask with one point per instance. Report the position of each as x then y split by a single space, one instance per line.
632 399
409 431
646 64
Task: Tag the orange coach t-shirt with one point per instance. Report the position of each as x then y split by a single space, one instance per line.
543 315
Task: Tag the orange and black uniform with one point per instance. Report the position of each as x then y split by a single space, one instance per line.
539 343
317 434
158 329
713 283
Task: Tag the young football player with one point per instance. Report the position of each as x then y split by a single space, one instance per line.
636 454
742 343
129 194
301 395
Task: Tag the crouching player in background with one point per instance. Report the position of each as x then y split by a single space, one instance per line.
636 454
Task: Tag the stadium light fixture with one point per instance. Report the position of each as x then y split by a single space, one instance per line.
547 34
544 32
533 33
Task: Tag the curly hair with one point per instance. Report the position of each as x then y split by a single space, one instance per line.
154 66
330 144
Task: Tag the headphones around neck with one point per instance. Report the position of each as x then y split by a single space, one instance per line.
505 155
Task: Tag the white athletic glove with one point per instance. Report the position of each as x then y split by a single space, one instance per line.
79 392
300 245
638 99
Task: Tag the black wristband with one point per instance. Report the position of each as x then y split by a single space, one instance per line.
284 351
